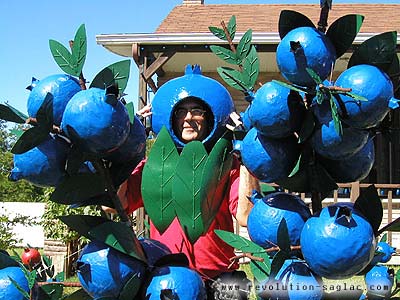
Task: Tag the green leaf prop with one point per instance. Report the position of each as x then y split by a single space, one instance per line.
17 132
343 31
218 32
277 262
71 63
29 139
261 269
6 261
131 111
62 57
130 288
78 188
186 192
36 135
51 291
383 238
232 27
251 67
215 180
115 74
78 295
314 75
225 54
335 116
283 236
307 128
378 50
11 114
116 235
236 241
79 49
370 205
157 181
233 78
19 288
290 19
119 236
290 86
244 45
392 226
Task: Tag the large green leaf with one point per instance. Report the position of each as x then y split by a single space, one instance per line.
119 236
44 115
51 291
251 66
277 262
115 74
335 116
244 45
63 57
29 139
157 181
261 269
283 236
232 77
78 295
6 261
232 27
307 128
370 205
290 19
11 114
79 49
218 32
115 234
131 288
314 75
78 188
131 111
239 242
343 31
225 54
378 50
392 226
187 189
290 86
215 180
19 288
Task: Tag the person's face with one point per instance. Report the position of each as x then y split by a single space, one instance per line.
189 121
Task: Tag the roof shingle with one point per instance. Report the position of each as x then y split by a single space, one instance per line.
265 17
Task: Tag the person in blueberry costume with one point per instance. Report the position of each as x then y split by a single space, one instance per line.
195 108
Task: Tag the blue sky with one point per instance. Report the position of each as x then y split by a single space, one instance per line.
27 26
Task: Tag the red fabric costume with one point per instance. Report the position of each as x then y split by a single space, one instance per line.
209 255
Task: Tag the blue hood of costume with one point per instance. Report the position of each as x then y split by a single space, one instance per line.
192 84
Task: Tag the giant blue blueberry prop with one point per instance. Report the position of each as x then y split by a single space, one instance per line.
379 281
7 289
290 281
176 282
268 159
268 212
385 251
373 84
338 242
192 84
353 168
327 142
96 121
301 48
61 86
104 271
43 165
274 109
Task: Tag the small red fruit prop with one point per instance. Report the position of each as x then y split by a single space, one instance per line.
31 257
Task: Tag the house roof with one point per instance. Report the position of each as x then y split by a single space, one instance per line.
265 17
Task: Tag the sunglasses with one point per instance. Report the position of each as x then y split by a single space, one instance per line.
195 112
